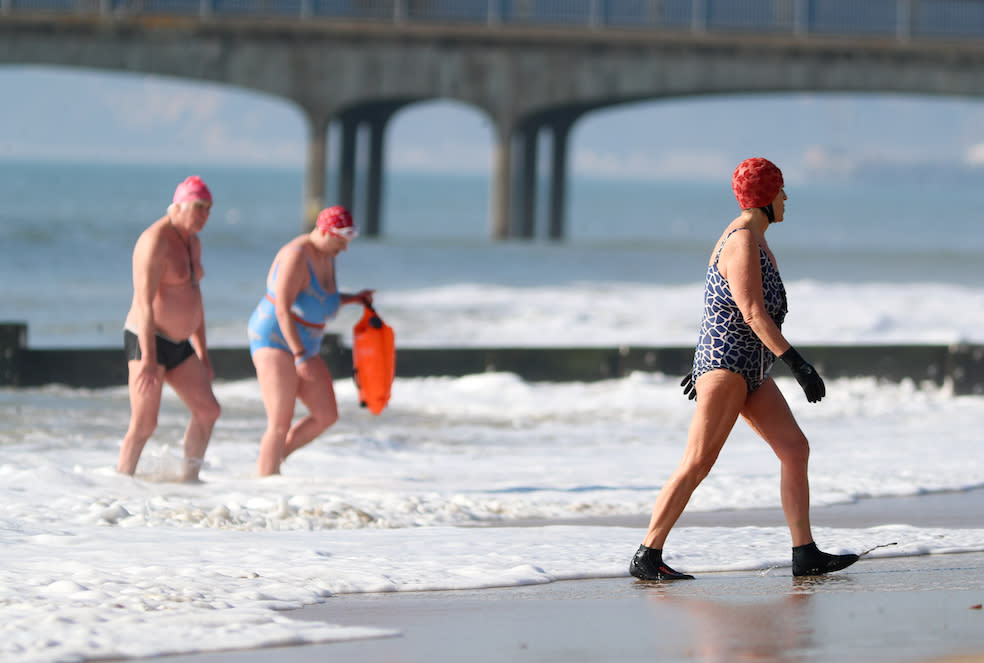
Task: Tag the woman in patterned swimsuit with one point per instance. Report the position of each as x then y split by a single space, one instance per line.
738 342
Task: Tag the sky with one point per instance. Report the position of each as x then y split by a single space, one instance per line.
69 114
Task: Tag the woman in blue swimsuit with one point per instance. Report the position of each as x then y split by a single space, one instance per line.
285 334
738 342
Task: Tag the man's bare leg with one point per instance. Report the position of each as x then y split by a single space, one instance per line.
144 406
190 380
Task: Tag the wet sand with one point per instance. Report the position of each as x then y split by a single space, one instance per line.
888 609
948 509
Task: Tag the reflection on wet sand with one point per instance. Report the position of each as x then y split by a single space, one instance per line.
744 629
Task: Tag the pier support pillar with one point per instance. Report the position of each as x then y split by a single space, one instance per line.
500 194
360 184
314 177
346 162
374 185
524 197
560 130
378 120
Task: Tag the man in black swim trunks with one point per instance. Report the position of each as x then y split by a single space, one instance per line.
164 337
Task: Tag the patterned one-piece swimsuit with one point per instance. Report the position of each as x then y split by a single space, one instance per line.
724 339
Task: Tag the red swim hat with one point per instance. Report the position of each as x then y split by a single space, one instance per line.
334 218
193 188
756 182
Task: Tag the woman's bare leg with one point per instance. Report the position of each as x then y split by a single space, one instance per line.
768 413
720 397
318 395
278 386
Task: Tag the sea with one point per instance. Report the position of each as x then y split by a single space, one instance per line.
484 480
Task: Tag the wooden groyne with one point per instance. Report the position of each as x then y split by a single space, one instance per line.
961 365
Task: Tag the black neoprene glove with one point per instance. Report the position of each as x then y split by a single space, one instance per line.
805 374
689 388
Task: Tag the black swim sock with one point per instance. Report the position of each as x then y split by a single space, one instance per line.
647 564
808 560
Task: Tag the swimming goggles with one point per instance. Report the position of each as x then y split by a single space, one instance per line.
345 232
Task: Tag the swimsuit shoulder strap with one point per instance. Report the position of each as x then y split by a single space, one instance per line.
726 238
276 268
315 283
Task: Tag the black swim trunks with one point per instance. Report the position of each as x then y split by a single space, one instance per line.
169 353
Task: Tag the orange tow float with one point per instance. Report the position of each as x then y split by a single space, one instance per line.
373 360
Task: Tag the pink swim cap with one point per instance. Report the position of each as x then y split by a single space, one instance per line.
193 188
756 182
334 218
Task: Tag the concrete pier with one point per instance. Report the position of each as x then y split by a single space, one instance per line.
527 66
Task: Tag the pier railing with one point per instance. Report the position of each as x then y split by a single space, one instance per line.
895 19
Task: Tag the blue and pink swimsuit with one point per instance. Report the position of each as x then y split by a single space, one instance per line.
311 310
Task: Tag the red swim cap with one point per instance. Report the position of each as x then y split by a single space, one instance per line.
756 182
192 189
333 218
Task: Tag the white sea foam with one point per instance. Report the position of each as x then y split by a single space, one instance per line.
615 314
95 564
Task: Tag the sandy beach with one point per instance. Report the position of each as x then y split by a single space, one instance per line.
925 608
